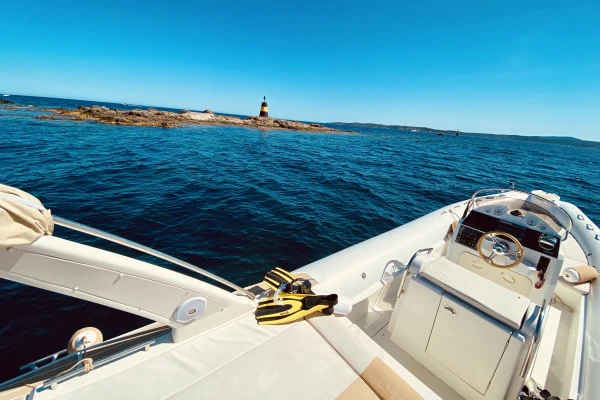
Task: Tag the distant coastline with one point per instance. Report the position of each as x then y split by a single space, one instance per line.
562 140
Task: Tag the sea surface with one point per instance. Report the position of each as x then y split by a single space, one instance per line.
240 201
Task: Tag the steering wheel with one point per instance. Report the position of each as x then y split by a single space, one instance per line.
501 249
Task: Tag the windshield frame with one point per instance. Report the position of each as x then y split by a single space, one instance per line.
551 209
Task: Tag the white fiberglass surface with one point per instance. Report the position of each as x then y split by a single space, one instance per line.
240 359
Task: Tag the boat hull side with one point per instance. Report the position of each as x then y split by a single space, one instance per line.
356 272
584 231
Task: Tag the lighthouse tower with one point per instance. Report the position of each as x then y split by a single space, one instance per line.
264 109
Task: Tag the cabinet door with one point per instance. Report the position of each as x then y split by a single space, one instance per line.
414 315
467 342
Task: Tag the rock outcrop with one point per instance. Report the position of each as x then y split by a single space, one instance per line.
18 107
166 119
149 117
2 101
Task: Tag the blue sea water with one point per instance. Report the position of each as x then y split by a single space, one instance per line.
240 201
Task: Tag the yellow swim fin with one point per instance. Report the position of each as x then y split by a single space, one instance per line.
280 279
289 307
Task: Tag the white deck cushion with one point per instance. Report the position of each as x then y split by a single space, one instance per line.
240 360
500 303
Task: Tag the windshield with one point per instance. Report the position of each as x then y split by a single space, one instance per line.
522 201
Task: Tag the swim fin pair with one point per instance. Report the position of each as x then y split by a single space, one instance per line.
279 279
288 307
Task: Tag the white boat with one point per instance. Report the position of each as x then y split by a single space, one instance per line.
6 95
488 298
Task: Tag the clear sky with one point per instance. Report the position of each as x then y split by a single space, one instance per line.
520 67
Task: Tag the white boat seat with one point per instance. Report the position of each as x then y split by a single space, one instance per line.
494 300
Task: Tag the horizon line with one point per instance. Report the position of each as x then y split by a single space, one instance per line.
322 122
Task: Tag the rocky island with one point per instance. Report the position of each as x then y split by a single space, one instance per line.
167 119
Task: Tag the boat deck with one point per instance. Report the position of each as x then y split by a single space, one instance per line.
556 367
316 356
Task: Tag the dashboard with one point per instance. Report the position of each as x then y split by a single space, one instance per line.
521 218
530 229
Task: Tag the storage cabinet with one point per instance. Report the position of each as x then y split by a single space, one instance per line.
467 342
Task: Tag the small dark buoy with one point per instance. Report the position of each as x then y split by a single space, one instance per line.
264 109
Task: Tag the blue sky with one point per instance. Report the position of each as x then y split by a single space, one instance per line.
530 68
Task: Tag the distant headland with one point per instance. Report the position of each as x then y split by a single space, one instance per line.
562 140
420 129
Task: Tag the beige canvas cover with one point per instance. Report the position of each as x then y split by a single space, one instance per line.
23 218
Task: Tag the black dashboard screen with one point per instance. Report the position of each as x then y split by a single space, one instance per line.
517 231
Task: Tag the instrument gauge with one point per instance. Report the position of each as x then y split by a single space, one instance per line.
488 210
531 221
498 211
543 227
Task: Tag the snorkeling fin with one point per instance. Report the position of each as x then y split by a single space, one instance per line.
280 279
291 307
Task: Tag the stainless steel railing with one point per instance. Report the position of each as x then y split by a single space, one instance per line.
533 345
128 243
407 270
53 382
